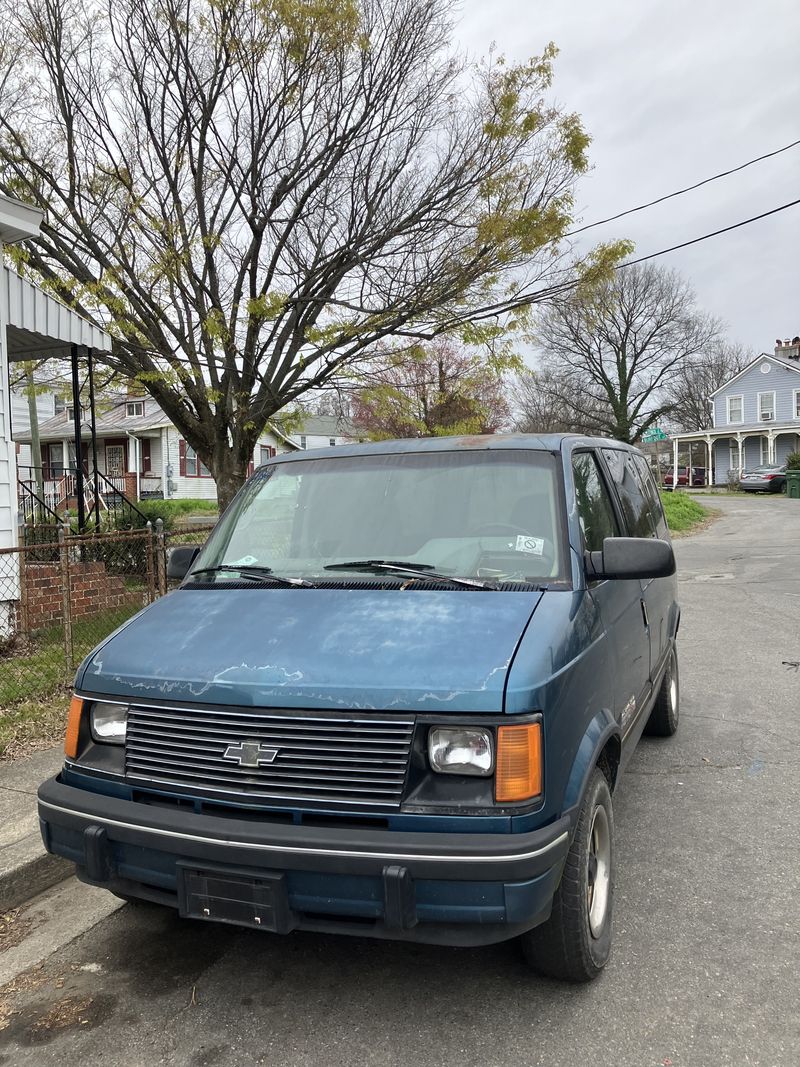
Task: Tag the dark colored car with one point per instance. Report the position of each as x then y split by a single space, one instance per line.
698 477
392 697
770 478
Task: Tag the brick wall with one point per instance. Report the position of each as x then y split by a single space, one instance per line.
92 591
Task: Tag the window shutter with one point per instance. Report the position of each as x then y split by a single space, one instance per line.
250 468
182 457
145 455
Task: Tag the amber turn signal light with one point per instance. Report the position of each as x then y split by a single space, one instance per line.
519 762
73 728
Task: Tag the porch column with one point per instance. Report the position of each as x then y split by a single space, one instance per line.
710 468
739 444
770 446
674 464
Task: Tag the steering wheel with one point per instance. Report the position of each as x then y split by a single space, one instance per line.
490 528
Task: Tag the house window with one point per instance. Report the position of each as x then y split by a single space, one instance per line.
134 408
302 440
190 464
71 413
735 409
764 451
797 403
266 452
332 442
766 407
733 457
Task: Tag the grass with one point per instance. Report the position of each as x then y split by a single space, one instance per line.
35 681
683 512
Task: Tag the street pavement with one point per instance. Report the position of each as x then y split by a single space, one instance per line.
706 961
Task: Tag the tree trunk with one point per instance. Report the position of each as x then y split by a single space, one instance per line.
230 471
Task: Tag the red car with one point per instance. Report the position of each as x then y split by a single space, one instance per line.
698 477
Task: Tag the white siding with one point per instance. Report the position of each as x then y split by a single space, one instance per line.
184 488
8 466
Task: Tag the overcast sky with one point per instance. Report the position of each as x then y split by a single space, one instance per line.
673 92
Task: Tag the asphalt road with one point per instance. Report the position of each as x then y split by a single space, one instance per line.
706 961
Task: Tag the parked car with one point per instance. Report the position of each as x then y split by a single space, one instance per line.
698 477
399 707
767 479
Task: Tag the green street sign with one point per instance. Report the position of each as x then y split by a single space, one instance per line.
655 433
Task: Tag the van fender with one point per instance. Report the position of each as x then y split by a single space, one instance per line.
600 730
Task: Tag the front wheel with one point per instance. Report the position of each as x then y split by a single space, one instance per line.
663 721
575 942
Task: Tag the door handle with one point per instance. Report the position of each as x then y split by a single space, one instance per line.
644 615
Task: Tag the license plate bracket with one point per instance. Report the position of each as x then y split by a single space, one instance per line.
236 896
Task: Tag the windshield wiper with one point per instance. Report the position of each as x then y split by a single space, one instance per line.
415 570
254 573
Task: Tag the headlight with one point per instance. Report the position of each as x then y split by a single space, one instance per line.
109 723
461 751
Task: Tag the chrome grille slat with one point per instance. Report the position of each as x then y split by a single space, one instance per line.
321 758
241 731
167 748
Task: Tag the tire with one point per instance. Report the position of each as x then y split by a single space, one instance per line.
663 721
575 942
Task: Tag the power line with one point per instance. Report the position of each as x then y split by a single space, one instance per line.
706 236
686 189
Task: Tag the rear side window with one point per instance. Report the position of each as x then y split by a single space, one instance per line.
636 508
595 509
651 495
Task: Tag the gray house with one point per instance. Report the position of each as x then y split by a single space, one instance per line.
756 416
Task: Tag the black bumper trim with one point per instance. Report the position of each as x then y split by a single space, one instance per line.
471 857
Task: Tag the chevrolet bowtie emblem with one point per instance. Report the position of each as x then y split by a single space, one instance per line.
250 754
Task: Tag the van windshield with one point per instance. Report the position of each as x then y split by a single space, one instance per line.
493 515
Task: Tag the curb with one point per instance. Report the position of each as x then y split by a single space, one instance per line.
28 870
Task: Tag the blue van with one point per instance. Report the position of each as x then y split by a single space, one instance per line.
392 697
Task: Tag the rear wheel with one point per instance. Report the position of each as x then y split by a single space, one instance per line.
663 721
575 942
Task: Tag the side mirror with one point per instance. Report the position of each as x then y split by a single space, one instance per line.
180 560
631 557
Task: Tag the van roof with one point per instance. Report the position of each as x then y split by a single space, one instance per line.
550 442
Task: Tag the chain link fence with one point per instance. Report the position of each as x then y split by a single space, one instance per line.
61 597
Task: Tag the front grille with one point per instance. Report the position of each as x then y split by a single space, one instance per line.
320 758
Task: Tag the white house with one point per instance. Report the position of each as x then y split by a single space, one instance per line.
326 431
139 453
32 326
755 415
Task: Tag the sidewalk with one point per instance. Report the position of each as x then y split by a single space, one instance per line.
25 868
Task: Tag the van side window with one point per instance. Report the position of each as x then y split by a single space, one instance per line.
627 481
651 495
595 509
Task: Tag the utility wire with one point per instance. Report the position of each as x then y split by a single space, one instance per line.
705 237
687 189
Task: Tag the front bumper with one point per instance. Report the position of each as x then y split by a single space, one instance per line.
435 887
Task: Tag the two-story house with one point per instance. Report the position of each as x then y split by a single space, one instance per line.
139 453
756 416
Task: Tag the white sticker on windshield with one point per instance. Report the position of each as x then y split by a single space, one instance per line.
245 561
533 545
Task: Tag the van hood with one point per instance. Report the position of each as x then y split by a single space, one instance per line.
388 650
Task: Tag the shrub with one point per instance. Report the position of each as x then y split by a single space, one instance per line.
793 461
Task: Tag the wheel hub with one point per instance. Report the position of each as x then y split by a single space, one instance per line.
598 871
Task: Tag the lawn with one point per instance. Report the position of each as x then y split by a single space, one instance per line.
35 681
683 512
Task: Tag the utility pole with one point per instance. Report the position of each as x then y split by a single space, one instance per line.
76 413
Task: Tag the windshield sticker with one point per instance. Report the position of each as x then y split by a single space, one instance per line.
245 561
534 546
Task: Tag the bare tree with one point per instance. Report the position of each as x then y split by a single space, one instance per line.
614 349
542 402
251 195
690 389
438 389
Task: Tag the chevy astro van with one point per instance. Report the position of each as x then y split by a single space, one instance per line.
392 697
